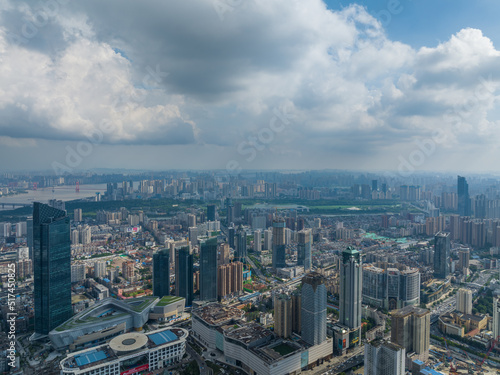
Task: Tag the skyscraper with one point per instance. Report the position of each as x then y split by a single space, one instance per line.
496 317
384 358
464 207
351 293
296 312
278 243
208 270
313 309
99 269
241 245
52 267
184 274
464 301
161 273
257 242
77 215
211 212
304 249
411 329
441 255
29 236
463 260
283 315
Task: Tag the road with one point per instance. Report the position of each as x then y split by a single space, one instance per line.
204 369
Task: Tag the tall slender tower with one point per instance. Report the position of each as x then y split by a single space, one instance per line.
241 245
208 270
351 293
283 315
441 255
279 243
464 207
184 274
52 267
313 309
304 249
161 273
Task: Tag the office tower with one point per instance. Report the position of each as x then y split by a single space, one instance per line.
304 243
283 315
223 254
161 273
99 269
384 358
29 236
75 237
257 242
441 255
208 270
241 245
317 223
464 301
350 293
268 239
184 274
191 220
278 243
77 272
411 329
296 312
374 185
314 308
463 260
52 267
230 237
464 208
211 212
77 216
496 317
128 270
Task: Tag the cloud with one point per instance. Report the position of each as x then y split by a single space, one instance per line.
351 87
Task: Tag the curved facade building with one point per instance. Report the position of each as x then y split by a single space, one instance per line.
391 288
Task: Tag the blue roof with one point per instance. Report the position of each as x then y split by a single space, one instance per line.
106 280
429 371
89 357
163 337
418 362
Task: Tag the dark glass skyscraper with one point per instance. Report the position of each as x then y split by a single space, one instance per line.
211 212
184 274
161 273
208 270
441 255
279 243
313 308
351 293
304 249
464 207
51 267
241 245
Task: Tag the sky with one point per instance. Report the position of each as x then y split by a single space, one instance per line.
249 84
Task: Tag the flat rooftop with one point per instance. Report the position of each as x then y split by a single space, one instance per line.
167 300
249 333
216 314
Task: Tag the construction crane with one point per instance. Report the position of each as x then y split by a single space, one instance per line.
453 367
493 344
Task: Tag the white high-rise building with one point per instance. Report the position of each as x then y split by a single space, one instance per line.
100 269
85 235
257 241
75 237
464 301
77 272
384 358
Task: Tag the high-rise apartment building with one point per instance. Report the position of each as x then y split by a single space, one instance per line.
223 254
441 255
279 244
257 242
351 293
161 273
464 301
229 279
496 317
384 358
208 270
52 267
128 270
268 240
411 329
241 245
100 269
463 260
304 243
77 215
184 274
313 312
283 315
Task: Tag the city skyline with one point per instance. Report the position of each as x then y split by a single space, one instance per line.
356 88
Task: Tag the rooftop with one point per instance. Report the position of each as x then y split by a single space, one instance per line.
167 300
216 314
